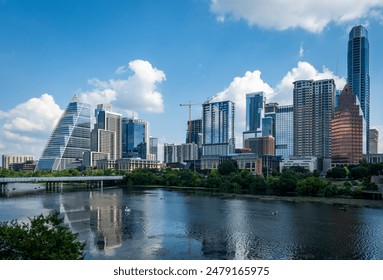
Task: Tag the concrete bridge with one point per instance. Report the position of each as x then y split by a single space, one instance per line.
57 181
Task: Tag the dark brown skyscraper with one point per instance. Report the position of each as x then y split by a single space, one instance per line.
347 130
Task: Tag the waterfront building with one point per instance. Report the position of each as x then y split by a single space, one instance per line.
374 158
218 128
269 120
106 135
347 130
135 138
374 140
358 76
28 166
8 160
284 131
180 153
170 153
246 161
313 110
153 148
69 139
255 103
309 163
195 128
131 164
261 145
90 158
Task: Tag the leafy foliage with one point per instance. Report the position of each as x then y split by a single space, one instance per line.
43 238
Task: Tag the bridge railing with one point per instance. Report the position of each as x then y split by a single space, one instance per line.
59 179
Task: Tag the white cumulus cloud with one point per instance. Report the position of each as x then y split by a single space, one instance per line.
137 93
236 92
26 127
282 93
303 71
311 15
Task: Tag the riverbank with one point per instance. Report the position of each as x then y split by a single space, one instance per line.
341 201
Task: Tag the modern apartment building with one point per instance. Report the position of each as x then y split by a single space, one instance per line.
69 139
153 148
218 128
358 75
195 127
107 133
313 109
180 153
8 160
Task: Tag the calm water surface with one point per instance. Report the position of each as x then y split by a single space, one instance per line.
168 224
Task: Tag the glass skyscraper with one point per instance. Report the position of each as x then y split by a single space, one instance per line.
135 138
218 128
284 134
358 76
254 114
69 139
347 130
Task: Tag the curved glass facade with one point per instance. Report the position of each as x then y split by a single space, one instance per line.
358 76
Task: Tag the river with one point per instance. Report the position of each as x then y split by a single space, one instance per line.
174 225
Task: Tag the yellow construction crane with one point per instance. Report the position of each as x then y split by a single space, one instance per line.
189 124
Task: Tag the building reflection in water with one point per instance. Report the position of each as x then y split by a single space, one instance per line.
106 220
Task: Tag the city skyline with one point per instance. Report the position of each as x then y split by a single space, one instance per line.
147 57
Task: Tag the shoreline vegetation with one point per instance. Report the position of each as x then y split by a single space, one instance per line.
340 201
343 185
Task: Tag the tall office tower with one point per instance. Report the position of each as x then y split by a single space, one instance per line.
135 138
255 103
347 130
218 128
358 76
313 110
374 140
69 139
284 132
106 135
268 122
196 130
153 148
170 153
195 127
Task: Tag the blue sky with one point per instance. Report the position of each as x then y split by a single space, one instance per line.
147 57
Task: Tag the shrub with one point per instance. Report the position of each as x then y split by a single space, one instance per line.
43 238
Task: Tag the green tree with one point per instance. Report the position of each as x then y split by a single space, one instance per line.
43 238
288 181
258 185
311 186
227 166
359 172
337 172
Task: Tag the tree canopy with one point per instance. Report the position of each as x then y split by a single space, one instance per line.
43 238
